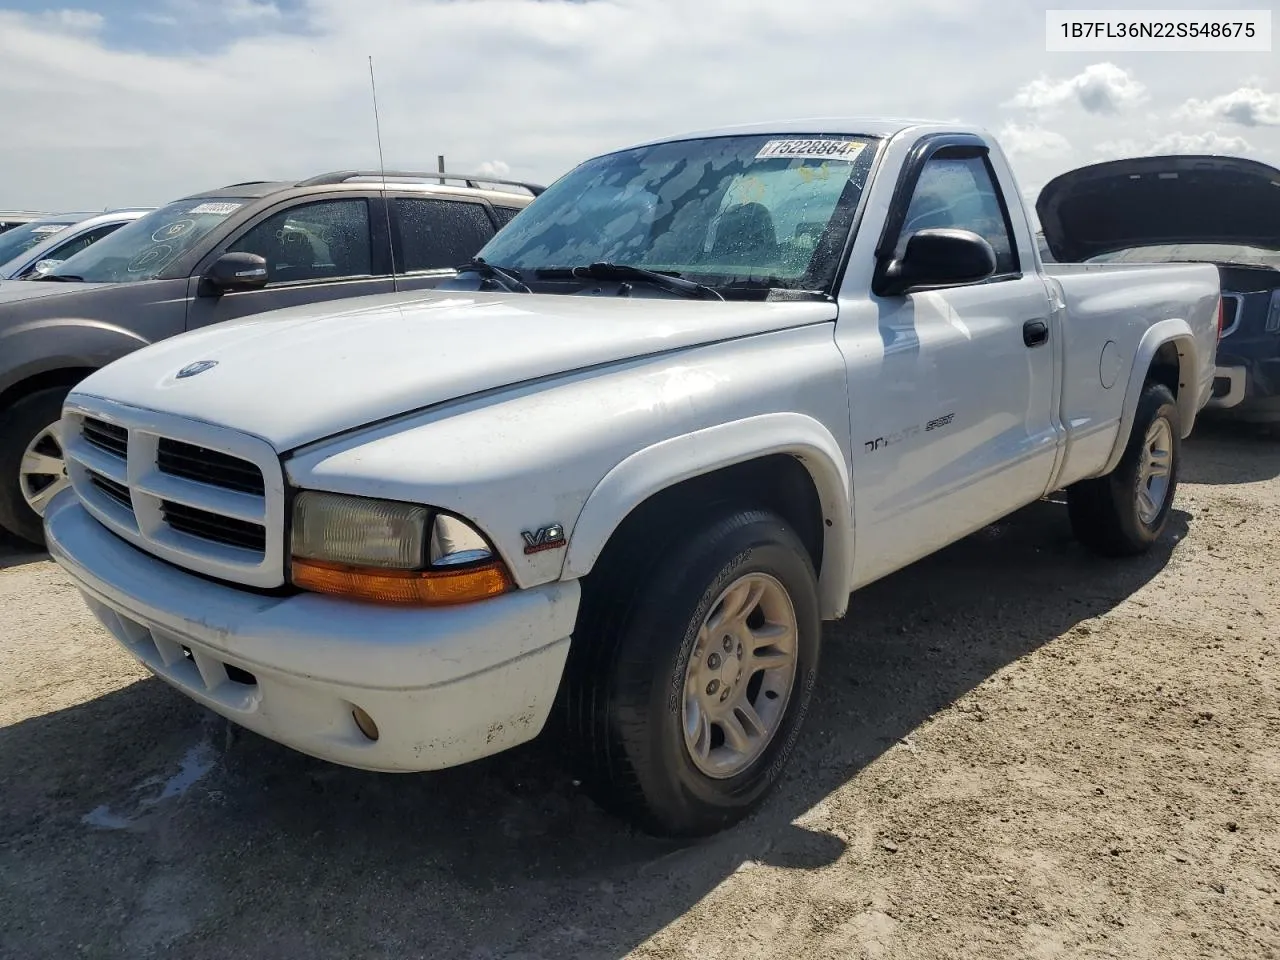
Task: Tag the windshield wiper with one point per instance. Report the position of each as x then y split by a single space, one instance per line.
63 277
625 271
508 280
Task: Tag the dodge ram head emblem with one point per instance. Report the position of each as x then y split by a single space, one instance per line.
200 366
544 538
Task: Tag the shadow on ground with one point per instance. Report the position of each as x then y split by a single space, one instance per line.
271 854
15 552
1225 451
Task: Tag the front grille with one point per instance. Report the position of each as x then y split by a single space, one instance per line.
187 460
116 491
214 526
106 436
206 498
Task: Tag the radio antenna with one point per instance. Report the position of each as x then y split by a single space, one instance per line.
382 168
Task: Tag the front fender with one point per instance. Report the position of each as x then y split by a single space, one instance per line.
1178 332
40 346
664 464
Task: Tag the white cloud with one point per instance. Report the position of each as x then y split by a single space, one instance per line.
264 90
494 168
75 20
1115 149
1033 141
1247 107
1200 143
1101 88
1175 143
236 12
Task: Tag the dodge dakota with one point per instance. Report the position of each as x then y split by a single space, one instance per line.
611 479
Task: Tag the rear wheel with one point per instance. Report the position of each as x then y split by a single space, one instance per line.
1126 511
32 466
693 667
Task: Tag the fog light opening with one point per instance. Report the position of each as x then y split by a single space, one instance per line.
365 723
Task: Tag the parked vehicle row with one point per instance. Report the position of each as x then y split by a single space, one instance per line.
33 248
16 218
616 471
1219 210
214 256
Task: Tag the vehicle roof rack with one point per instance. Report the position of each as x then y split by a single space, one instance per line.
475 181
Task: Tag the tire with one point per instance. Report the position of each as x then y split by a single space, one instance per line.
1109 514
629 679
22 423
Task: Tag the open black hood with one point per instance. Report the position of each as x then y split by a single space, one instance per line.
1143 201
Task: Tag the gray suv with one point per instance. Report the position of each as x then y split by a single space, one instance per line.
216 256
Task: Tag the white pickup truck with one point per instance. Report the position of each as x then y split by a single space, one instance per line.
623 466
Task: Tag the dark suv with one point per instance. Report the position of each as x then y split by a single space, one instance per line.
216 256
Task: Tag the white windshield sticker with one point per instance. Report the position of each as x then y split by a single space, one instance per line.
220 208
50 228
811 150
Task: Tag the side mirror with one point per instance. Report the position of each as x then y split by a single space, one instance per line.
234 271
939 256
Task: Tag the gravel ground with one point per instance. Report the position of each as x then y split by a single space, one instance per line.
1016 751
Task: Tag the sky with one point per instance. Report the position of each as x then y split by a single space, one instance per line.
114 103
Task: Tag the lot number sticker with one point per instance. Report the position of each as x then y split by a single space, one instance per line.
811 150
218 208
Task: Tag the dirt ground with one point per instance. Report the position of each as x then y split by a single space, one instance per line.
1016 751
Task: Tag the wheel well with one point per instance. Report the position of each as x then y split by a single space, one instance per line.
65 377
1166 368
778 482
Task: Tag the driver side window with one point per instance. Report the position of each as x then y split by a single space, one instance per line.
325 240
959 192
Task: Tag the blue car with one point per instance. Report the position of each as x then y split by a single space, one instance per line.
1221 210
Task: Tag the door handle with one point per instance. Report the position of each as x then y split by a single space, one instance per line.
1035 333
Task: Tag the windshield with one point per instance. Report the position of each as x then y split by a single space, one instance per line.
21 239
1234 253
141 249
770 210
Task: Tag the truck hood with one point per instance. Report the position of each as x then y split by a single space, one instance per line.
294 376
1145 201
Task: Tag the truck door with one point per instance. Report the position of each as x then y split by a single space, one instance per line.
959 416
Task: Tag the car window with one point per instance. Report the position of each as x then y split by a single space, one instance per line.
750 212
324 240
439 234
23 238
143 249
76 244
505 214
960 193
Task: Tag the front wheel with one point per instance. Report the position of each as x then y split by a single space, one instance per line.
1126 511
693 667
32 466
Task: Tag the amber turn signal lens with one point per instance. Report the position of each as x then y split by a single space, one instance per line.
420 587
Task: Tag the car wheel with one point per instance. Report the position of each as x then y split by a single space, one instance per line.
32 467
693 667
1126 511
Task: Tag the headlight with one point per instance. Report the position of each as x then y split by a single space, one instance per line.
390 552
